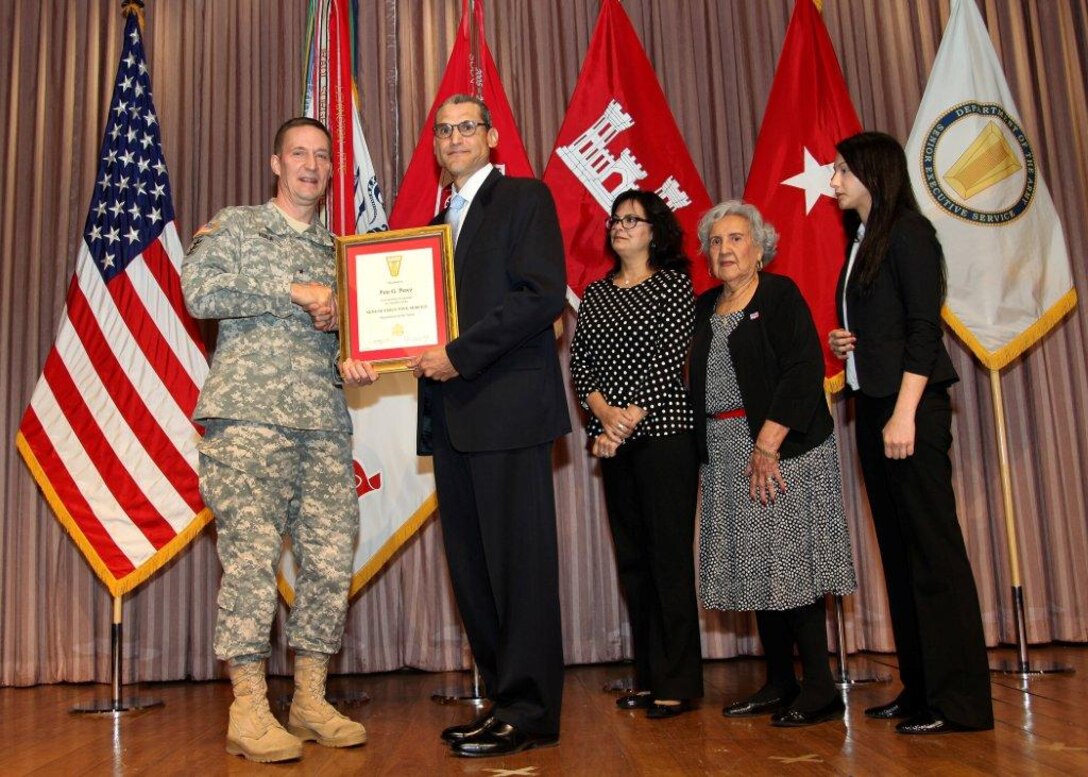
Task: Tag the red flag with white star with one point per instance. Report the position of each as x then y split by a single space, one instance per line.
808 112
619 134
423 191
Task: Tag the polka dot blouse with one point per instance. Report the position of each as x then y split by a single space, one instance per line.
630 345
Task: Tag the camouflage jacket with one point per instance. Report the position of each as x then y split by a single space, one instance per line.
270 365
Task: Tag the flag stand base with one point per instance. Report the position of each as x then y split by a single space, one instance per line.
116 704
339 699
1023 667
620 685
1029 669
472 695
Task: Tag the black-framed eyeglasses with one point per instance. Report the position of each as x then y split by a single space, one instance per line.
467 128
627 222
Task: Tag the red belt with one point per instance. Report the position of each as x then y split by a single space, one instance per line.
738 413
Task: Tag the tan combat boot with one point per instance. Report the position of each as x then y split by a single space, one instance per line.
313 718
253 731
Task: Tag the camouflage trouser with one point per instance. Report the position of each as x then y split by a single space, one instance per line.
262 482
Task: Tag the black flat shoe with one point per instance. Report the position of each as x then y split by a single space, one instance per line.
750 706
658 711
635 701
833 710
501 739
929 723
458 733
894 709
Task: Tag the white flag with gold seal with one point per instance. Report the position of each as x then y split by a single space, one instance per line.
976 176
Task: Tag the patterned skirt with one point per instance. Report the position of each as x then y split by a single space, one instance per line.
774 557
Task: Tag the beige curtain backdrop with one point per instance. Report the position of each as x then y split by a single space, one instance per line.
225 73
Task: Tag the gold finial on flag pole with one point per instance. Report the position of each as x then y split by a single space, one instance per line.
136 7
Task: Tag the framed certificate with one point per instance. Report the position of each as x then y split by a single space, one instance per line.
396 295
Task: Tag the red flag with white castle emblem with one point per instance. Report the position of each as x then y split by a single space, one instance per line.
808 112
618 134
423 191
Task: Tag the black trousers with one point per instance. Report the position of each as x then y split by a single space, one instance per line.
651 489
805 627
498 525
931 591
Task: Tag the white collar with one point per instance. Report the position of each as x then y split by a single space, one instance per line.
473 184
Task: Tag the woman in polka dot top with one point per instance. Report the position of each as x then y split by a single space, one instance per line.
627 358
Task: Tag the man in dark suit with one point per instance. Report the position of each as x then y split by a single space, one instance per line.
491 405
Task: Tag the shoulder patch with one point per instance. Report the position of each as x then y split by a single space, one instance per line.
208 229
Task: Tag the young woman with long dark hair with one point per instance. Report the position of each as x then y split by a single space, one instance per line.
890 295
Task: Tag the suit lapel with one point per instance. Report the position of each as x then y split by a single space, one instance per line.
475 217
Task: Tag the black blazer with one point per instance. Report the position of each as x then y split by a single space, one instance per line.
898 319
511 285
778 358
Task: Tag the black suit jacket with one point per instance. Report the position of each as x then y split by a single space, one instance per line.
511 285
897 320
778 357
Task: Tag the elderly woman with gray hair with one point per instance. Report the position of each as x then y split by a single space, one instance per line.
773 537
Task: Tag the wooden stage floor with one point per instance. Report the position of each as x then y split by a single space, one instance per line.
1041 729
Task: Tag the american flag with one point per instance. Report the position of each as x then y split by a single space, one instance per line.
108 435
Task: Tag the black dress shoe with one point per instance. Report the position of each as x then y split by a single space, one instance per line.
833 710
465 730
658 711
635 701
929 723
894 709
753 706
501 739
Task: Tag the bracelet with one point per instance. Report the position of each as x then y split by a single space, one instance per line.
769 454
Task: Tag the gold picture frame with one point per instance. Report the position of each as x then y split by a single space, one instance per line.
396 295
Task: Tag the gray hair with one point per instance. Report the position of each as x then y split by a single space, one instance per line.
461 99
763 234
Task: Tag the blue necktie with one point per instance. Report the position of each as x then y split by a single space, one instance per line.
453 214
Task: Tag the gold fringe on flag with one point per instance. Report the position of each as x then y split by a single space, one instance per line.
116 586
1001 358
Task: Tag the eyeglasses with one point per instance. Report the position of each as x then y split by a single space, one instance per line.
628 222
467 128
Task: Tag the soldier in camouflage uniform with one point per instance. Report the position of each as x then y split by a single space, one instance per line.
276 454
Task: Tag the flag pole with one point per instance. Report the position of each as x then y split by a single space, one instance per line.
1023 667
116 704
474 693
844 681
475 63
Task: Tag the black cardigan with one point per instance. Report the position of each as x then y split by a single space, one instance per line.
778 358
898 319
